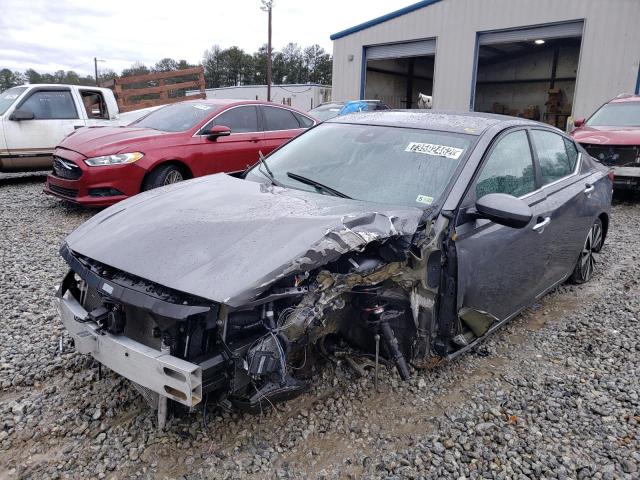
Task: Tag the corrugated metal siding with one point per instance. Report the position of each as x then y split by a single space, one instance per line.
399 50
609 56
562 30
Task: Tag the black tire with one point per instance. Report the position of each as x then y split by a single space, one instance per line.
583 270
163 175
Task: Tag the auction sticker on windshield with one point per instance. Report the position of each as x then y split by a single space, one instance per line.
424 199
201 107
435 150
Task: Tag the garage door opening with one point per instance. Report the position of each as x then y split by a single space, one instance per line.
529 73
396 74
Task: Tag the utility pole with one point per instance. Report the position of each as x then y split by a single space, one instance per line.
267 6
95 65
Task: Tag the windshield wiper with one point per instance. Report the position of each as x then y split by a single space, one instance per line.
268 173
317 185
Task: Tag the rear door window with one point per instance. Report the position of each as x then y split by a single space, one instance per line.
509 168
554 159
304 121
572 153
94 104
51 104
239 119
279 119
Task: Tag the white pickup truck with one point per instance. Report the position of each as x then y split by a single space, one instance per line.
35 118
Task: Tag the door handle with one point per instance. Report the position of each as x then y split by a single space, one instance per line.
254 139
590 188
539 227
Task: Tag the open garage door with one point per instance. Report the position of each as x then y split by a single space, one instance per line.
396 73
529 72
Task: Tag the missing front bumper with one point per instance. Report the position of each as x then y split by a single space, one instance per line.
158 371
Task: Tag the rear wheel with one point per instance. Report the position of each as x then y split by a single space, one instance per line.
583 270
163 175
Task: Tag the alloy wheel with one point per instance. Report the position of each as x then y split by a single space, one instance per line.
174 176
587 260
596 237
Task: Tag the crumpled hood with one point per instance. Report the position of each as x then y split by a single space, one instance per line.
227 239
607 135
95 141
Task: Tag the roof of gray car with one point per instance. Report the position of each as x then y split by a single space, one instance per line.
473 123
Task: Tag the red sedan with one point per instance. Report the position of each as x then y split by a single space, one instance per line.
99 166
612 136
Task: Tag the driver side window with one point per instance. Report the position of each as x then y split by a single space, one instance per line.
50 104
509 168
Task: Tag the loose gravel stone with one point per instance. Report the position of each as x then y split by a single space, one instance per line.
554 394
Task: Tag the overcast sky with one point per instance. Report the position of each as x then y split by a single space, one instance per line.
67 34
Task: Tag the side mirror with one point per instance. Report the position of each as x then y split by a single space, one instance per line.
22 115
578 122
216 131
504 209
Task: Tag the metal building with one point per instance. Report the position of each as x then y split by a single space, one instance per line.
304 96
541 59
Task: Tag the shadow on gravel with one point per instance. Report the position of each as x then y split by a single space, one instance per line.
626 197
10 179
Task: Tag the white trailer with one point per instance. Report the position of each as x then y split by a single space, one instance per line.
301 96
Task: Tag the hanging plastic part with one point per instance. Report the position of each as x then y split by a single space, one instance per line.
377 339
162 400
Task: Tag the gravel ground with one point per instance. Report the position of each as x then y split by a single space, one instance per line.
555 394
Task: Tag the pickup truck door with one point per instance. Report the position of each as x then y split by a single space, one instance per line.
55 114
97 109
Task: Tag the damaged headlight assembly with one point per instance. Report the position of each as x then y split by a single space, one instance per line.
116 159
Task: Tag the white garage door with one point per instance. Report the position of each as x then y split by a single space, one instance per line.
547 32
419 48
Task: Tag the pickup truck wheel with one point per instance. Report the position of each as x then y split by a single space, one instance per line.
583 270
163 175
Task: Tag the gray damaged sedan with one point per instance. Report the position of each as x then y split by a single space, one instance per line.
408 235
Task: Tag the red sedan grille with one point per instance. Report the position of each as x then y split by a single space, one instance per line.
63 168
65 192
614 155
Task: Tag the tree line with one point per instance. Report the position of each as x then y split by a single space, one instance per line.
222 68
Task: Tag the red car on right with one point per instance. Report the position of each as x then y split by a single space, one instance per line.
612 136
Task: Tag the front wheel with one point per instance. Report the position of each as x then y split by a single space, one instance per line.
163 175
583 270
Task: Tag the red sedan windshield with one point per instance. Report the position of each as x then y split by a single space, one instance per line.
179 117
617 115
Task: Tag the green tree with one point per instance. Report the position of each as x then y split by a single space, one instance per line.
259 61
213 70
293 64
59 76
106 75
278 68
71 78
317 65
166 65
10 79
183 65
236 66
136 68
32 76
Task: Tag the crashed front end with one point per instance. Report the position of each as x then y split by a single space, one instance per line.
368 284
